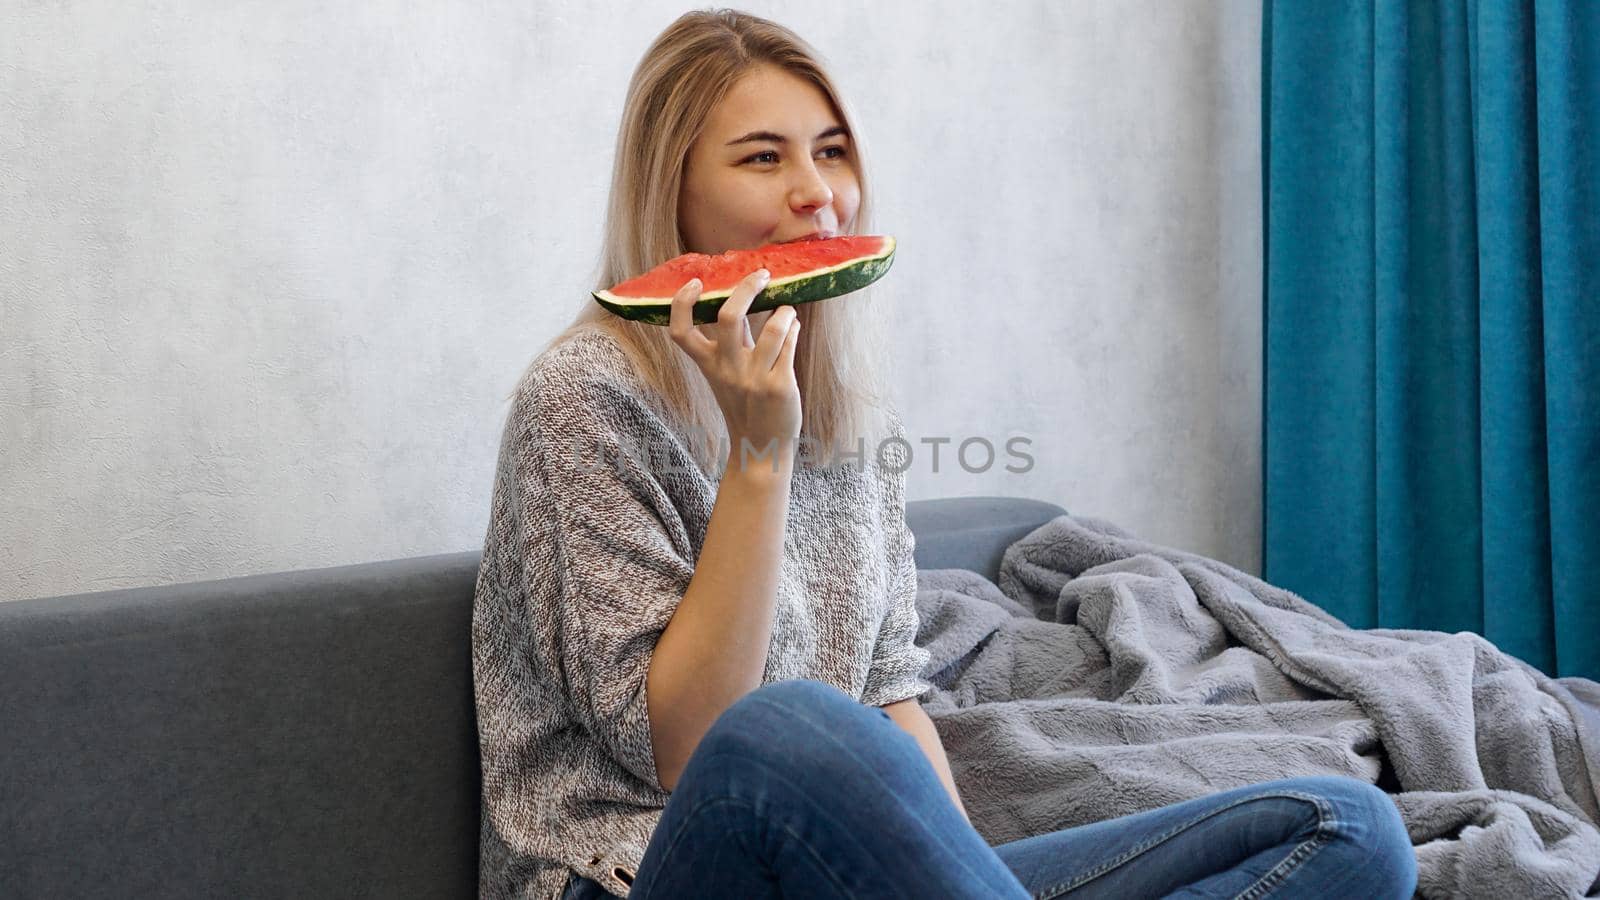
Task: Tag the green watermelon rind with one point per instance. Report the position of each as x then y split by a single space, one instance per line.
801 287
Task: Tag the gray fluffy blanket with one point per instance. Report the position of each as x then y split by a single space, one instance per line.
1105 676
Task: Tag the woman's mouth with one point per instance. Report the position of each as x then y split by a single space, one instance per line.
813 236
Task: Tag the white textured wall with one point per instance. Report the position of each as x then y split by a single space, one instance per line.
268 270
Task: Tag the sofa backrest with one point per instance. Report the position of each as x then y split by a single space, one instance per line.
300 734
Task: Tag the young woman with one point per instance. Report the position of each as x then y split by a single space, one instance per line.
693 629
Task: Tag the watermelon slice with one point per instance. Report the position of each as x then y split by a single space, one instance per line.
802 271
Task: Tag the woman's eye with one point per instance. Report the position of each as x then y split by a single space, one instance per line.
759 157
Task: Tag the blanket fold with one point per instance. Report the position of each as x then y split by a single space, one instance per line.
1104 675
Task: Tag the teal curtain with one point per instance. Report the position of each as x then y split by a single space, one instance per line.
1432 317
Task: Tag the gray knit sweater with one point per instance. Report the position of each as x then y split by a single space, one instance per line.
585 559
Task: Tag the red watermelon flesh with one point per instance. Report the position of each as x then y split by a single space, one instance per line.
802 272
722 272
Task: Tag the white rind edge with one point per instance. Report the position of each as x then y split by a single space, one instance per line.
667 301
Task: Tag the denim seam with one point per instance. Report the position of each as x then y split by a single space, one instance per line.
1148 843
679 837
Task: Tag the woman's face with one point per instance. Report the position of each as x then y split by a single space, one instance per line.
772 164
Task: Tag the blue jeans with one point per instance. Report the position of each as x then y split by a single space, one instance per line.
799 790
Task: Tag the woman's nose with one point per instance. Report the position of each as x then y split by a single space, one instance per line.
813 191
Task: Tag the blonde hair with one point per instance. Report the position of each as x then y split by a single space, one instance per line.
840 362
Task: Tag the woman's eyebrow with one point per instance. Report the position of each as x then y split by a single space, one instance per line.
780 139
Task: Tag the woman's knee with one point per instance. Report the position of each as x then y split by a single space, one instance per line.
782 715
1355 800
807 693
1367 822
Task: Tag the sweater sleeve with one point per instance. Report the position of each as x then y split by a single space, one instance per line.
897 661
616 559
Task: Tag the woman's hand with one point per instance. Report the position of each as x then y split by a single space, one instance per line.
753 378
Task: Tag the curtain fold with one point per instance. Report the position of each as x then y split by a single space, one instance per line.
1432 318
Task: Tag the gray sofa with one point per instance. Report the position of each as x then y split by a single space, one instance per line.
300 734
